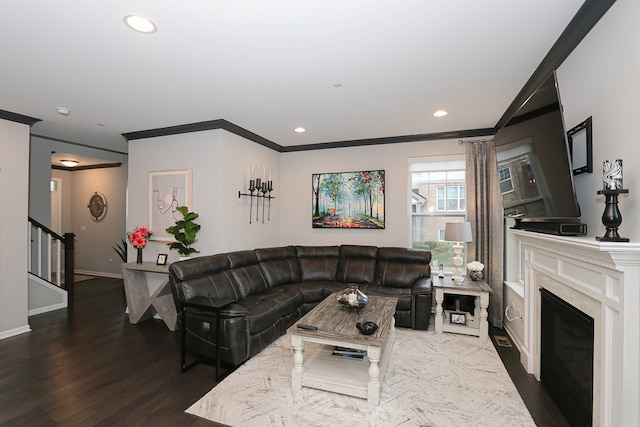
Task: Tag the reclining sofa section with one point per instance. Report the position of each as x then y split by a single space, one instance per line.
274 287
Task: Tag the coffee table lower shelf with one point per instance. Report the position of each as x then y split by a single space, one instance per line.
353 377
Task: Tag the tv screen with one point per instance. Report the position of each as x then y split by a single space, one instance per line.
536 178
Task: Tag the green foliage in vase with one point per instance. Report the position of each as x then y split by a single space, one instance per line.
184 232
121 249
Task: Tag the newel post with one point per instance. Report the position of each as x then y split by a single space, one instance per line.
69 267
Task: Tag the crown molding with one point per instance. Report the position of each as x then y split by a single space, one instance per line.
584 20
18 118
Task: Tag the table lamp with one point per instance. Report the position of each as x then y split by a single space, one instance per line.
457 232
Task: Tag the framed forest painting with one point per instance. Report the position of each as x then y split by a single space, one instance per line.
348 199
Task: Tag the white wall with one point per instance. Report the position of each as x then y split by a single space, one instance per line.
94 239
600 79
296 196
40 171
94 254
14 179
220 163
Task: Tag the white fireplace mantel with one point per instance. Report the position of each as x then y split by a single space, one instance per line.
603 280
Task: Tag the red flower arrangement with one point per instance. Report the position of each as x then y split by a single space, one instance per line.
139 236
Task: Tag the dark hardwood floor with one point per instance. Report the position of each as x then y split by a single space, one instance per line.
542 408
91 367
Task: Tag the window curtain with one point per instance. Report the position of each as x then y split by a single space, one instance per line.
485 213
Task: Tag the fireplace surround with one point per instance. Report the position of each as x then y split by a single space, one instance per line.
602 280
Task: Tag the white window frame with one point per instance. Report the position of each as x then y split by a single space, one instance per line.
432 164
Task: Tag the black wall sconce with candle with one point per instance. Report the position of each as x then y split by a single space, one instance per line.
261 189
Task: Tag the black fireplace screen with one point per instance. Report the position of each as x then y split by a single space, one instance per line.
566 358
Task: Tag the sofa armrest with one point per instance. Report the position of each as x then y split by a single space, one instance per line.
422 286
422 302
211 305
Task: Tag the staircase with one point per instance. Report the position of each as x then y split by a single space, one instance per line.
50 256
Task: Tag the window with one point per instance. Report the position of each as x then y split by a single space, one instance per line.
506 183
451 198
438 196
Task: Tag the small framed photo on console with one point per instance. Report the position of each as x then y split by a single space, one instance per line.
162 259
458 318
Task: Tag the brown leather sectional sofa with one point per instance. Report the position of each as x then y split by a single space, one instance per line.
272 288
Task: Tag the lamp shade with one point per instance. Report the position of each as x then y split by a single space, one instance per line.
457 232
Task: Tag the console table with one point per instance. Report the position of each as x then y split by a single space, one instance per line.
146 287
478 326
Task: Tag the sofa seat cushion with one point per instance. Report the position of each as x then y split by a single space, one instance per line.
403 295
289 298
316 291
264 310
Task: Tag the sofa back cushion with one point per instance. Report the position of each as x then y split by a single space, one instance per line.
357 264
318 263
207 276
401 267
279 265
246 272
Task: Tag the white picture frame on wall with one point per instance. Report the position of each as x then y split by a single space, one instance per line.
168 189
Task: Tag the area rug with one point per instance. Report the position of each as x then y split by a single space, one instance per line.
432 380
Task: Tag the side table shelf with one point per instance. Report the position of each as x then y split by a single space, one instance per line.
145 297
477 324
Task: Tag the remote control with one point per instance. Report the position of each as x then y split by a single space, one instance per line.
309 327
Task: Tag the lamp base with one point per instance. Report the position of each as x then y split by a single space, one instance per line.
457 277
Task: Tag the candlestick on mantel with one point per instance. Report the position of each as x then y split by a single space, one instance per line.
612 218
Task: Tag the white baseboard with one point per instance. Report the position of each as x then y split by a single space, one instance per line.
48 308
513 336
526 359
15 331
99 274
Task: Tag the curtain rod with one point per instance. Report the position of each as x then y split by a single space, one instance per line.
473 141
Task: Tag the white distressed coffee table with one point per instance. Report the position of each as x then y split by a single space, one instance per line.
336 326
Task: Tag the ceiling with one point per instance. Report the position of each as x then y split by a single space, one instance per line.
345 70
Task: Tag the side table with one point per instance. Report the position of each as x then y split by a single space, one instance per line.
201 304
479 326
144 295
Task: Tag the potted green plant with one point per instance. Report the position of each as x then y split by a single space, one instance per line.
184 232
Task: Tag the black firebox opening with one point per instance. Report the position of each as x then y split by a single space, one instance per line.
566 358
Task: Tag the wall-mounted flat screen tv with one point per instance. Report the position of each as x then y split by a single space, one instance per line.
536 178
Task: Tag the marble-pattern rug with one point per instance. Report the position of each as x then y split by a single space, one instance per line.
432 380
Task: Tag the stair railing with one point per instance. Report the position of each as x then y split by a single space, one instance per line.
42 257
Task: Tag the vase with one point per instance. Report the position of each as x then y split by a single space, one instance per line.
139 258
352 297
475 275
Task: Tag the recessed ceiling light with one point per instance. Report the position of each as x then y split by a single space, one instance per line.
140 23
300 129
337 85
63 111
440 113
69 163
